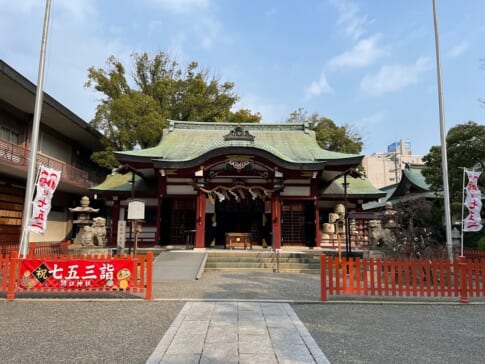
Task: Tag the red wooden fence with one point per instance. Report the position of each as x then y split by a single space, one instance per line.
402 278
10 277
44 248
474 254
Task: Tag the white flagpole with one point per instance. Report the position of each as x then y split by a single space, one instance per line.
462 211
29 188
444 157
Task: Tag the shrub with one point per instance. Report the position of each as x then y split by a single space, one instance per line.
481 244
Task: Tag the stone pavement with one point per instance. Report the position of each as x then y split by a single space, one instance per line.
237 332
178 265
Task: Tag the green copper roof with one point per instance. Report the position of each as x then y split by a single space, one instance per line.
117 182
357 188
411 187
186 141
416 178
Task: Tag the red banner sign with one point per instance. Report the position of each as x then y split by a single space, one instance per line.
76 274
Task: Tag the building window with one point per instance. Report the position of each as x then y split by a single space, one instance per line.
9 134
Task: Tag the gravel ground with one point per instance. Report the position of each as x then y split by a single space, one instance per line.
82 332
127 331
389 333
236 285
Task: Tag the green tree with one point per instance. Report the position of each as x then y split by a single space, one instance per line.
244 116
329 135
465 145
133 114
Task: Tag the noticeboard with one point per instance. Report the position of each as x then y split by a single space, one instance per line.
136 210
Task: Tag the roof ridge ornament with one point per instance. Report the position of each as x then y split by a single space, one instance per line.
238 133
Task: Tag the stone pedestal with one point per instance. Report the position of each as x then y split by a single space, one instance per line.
76 249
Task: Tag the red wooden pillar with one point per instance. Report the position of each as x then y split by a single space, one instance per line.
162 187
317 223
115 217
323 278
463 280
200 221
276 219
314 193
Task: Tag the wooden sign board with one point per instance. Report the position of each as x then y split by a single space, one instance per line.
136 210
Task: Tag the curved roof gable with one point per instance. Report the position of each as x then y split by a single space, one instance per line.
188 141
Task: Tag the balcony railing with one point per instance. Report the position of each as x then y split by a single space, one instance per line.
17 157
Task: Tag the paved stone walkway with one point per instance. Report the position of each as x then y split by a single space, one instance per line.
177 265
237 332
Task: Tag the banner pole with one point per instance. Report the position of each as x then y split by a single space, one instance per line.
29 187
462 211
444 157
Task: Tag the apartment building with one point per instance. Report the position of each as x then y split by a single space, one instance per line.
385 168
65 144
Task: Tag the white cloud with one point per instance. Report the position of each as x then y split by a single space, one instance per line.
458 49
373 119
77 11
21 7
364 53
318 87
201 23
350 18
74 43
207 30
182 6
271 112
391 78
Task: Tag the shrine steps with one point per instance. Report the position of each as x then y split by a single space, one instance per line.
257 261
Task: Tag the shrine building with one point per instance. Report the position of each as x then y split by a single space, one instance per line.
206 183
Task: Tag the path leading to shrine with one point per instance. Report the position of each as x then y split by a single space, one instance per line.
178 266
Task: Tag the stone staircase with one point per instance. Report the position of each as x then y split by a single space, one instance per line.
263 261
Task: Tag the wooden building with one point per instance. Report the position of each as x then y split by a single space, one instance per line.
65 144
257 184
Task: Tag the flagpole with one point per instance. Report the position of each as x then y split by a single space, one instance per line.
29 188
462 210
444 157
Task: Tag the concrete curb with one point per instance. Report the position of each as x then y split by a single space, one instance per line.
202 267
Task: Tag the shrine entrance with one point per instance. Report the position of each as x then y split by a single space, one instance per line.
242 216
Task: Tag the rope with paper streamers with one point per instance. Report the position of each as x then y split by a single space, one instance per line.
237 192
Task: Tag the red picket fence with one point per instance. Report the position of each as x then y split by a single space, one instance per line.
13 277
474 254
44 248
48 249
402 278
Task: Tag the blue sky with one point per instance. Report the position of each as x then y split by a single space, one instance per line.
368 64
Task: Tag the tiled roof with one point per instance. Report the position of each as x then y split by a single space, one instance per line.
411 187
186 141
357 188
117 182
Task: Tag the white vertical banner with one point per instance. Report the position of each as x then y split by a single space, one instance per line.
473 203
46 185
121 236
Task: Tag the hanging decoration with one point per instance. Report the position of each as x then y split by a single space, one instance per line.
237 193
46 184
234 194
473 203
